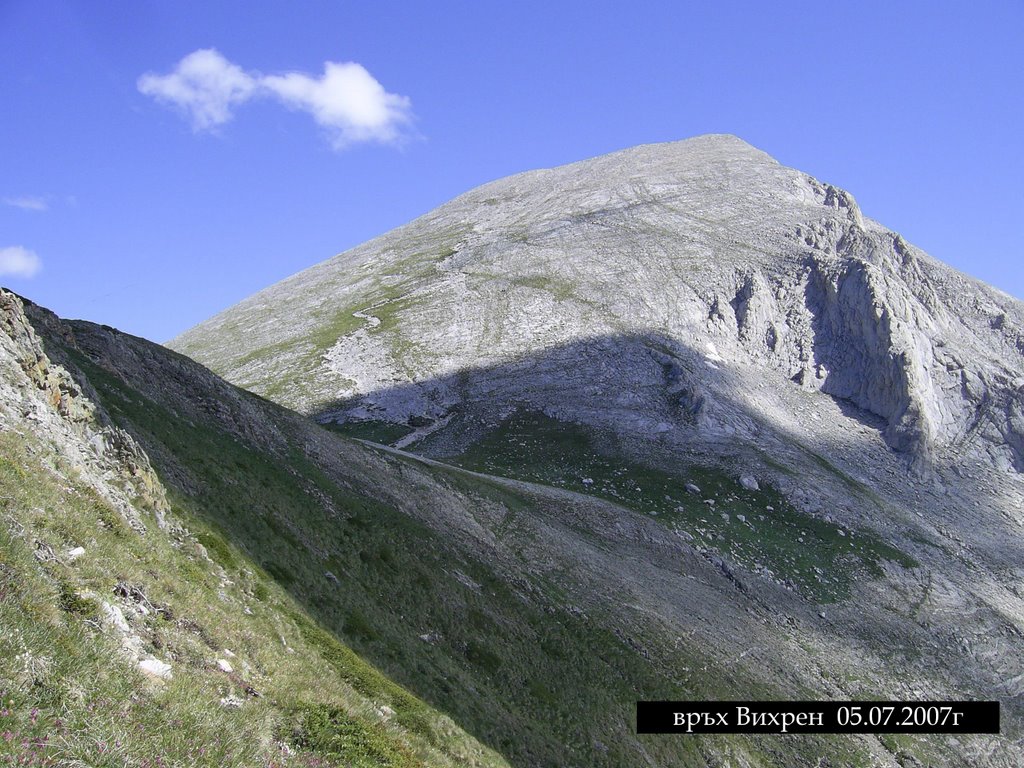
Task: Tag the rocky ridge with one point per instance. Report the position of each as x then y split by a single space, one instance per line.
655 266
37 393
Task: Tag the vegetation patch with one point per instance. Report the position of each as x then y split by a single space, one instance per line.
330 732
374 430
757 529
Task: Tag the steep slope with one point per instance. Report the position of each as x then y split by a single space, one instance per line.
666 275
534 617
127 638
262 533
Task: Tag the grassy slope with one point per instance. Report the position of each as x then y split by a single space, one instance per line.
756 529
508 660
282 368
542 686
70 696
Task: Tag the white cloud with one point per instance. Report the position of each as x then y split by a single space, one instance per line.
18 262
346 100
27 203
204 85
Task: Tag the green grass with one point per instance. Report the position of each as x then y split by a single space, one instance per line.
303 355
421 256
281 348
383 432
332 732
356 669
561 290
755 529
286 364
68 694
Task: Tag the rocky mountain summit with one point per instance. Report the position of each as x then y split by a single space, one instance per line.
682 291
684 304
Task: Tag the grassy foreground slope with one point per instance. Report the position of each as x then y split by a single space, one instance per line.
395 559
133 634
252 680
324 602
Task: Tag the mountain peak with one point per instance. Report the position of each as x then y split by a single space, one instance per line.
707 145
663 162
701 244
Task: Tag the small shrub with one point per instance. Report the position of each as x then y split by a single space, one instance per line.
329 731
542 693
260 591
111 520
73 603
483 657
217 549
281 575
386 555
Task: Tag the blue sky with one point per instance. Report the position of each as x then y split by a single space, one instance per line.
148 206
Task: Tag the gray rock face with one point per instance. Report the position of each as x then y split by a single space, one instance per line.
37 390
688 290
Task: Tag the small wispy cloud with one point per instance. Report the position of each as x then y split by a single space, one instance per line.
19 262
346 99
27 203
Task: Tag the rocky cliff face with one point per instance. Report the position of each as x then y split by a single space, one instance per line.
656 283
40 394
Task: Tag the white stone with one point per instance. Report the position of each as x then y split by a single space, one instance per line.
156 668
114 618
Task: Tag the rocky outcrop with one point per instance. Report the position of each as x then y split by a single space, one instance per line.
35 388
53 385
873 332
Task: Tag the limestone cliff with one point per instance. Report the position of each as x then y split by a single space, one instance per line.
703 257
